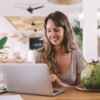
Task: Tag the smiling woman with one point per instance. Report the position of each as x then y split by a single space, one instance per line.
60 51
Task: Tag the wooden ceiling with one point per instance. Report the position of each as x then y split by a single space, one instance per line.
26 22
64 1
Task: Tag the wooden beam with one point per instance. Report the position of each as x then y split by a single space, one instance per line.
64 1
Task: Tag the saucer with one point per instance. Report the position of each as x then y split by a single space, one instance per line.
83 88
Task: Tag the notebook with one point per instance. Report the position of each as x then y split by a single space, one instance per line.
28 78
11 97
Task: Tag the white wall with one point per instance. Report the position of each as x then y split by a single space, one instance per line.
90 50
12 43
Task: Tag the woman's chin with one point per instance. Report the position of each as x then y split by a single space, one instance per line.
55 44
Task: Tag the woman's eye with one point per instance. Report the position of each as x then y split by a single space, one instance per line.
48 31
56 30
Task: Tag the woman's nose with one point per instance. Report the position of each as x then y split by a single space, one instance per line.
52 32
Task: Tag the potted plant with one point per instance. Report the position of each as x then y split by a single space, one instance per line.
79 34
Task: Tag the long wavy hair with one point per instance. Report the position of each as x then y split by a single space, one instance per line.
68 43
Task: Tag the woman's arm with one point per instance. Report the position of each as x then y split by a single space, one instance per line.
55 80
79 66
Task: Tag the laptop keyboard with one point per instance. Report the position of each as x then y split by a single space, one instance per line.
55 91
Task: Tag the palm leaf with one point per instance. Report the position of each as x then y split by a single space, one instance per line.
2 42
1 52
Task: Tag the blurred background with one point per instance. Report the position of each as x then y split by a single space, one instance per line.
22 22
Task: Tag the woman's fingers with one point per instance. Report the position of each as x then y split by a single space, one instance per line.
53 78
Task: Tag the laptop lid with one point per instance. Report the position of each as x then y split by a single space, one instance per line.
28 78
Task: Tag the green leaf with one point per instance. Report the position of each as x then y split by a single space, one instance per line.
2 42
78 31
1 52
98 27
1 47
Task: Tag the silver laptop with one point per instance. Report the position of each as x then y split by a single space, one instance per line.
28 78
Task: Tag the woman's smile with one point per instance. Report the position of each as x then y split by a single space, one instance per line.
55 39
55 34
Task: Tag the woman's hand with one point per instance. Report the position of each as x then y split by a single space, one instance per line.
55 80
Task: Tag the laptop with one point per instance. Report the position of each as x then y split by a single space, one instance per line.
28 78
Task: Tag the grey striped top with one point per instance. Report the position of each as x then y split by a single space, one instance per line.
76 67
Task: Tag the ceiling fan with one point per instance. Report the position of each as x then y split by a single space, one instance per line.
31 9
33 23
35 30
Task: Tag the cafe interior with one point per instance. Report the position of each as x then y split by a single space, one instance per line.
22 22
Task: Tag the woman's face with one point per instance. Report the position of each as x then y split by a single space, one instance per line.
55 34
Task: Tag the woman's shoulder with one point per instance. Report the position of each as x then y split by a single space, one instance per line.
77 53
39 53
40 50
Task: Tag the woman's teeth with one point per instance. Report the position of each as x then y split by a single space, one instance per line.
54 38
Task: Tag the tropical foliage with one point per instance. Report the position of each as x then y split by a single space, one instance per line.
2 43
79 34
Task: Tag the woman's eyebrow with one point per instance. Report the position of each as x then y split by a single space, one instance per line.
56 28
53 28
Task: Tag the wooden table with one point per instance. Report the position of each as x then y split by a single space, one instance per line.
69 94
13 60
